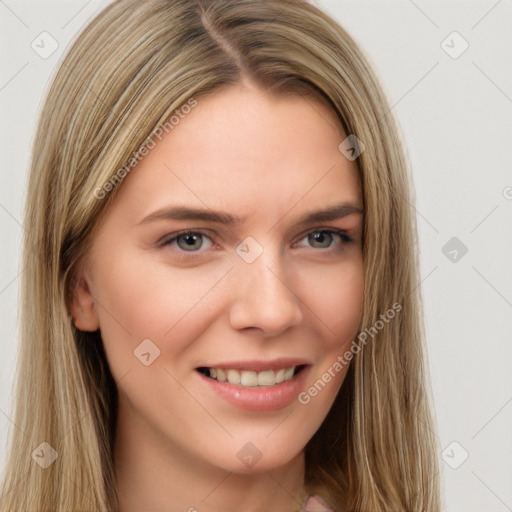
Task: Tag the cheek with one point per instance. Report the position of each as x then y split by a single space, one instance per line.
169 306
335 300
340 304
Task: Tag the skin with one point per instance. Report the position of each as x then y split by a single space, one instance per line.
269 159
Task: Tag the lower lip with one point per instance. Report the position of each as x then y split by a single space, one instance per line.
262 398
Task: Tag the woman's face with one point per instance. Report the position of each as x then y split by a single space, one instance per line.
264 280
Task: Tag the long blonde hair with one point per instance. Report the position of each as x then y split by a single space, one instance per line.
128 71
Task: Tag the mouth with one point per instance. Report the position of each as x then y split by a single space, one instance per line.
256 385
251 378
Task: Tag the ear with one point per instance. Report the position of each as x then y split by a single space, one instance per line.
82 305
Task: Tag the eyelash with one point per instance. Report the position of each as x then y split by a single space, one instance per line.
169 239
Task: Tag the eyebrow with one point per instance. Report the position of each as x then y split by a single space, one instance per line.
185 213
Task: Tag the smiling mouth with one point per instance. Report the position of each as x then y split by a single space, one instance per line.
249 378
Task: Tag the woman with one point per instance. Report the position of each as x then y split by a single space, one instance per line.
221 306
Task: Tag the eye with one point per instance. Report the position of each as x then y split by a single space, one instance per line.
324 238
188 241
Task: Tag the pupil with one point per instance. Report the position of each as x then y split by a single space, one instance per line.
190 241
321 237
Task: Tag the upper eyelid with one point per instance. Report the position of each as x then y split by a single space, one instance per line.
314 230
335 231
172 236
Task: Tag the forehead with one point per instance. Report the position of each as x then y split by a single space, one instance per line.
245 151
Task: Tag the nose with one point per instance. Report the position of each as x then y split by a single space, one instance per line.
264 298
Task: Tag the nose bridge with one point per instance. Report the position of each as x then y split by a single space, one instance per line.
263 292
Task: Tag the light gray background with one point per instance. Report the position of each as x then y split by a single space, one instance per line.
456 114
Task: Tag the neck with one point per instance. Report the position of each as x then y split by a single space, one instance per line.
153 473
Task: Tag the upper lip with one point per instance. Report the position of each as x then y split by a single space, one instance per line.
258 365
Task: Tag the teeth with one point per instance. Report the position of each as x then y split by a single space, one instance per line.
249 379
266 378
233 377
280 375
288 374
253 379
